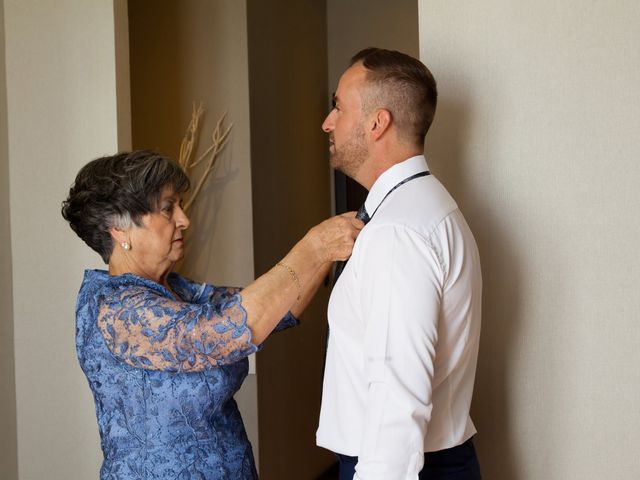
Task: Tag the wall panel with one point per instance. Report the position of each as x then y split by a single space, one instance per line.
8 434
61 112
287 75
536 137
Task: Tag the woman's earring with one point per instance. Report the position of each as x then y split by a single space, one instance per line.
126 245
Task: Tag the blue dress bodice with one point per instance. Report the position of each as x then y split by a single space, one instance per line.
163 366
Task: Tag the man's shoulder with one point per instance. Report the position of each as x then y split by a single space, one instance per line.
419 205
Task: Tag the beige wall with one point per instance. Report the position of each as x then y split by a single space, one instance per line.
61 91
196 50
201 55
123 73
8 438
356 24
537 137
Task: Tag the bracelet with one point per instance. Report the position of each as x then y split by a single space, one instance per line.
293 275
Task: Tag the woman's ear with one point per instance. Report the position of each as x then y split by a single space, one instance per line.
119 236
380 122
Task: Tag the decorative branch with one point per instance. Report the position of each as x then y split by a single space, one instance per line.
219 139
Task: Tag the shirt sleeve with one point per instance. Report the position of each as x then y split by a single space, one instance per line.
146 329
401 277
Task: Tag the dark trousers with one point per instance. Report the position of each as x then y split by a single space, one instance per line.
456 463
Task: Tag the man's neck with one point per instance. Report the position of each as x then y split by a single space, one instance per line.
379 163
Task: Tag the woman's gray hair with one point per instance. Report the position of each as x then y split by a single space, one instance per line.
116 192
121 221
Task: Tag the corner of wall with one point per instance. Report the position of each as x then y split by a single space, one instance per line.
123 76
8 435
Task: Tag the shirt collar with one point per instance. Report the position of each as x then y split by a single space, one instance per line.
390 178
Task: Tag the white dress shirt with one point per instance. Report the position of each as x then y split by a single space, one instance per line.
404 319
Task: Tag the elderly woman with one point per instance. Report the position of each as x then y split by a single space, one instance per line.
164 355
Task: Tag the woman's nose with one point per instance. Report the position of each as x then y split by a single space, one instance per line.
182 221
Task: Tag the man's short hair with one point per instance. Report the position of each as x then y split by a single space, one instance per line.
404 86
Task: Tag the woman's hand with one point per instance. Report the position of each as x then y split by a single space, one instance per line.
333 239
294 280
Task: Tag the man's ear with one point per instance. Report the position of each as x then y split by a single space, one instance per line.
380 123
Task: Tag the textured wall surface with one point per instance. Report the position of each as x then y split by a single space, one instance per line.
536 135
61 112
8 436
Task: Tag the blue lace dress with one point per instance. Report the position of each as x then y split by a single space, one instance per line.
163 371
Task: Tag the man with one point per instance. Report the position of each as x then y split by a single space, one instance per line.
404 314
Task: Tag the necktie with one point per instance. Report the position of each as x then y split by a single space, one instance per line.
363 215
360 215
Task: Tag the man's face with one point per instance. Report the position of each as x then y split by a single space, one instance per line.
345 124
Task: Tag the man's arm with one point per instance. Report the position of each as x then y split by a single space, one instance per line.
401 281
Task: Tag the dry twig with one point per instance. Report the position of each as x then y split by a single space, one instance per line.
219 139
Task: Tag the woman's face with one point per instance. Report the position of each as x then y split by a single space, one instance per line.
159 242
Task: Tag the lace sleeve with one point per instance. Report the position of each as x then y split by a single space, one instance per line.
148 330
221 295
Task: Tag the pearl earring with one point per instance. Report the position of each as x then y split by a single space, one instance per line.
126 245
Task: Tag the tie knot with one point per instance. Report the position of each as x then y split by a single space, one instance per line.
363 215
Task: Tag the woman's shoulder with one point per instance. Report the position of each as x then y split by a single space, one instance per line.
189 290
92 282
100 285
202 292
97 279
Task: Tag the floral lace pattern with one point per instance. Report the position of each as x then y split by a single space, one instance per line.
148 330
163 370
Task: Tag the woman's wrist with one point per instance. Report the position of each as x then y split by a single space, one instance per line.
294 276
305 255
314 249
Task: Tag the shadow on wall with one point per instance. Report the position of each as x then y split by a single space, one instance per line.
204 216
450 151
